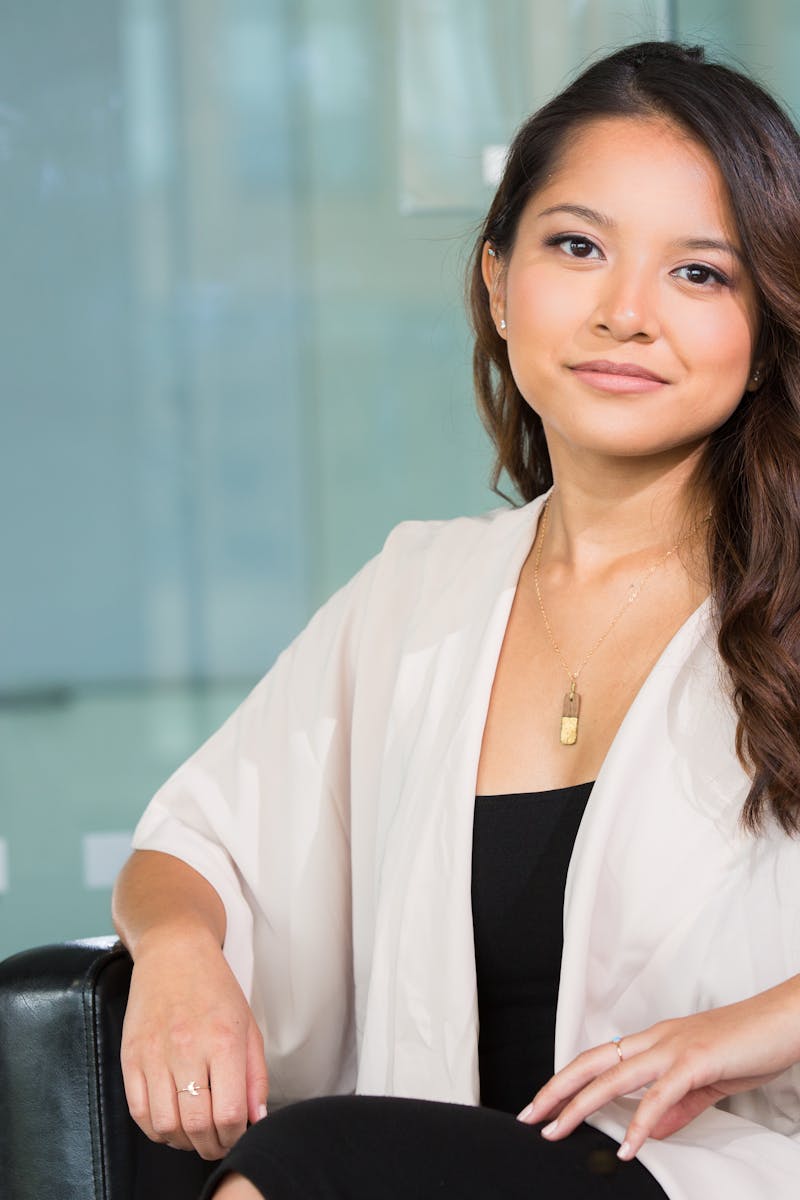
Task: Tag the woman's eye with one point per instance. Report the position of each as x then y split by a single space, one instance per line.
574 246
700 274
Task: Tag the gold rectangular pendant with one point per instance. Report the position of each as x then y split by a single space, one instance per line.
569 717
569 731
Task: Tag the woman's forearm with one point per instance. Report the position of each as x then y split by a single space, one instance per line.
158 896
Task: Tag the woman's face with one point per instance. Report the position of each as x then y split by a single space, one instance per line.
630 318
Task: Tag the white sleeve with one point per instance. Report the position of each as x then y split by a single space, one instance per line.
262 812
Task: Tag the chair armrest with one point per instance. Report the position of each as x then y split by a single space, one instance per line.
66 1130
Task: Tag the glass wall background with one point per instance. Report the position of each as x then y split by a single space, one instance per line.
234 353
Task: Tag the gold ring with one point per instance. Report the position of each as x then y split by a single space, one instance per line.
617 1044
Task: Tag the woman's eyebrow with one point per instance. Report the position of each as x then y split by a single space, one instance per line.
580 210
710 244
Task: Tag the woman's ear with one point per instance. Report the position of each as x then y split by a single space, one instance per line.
757 375
493 271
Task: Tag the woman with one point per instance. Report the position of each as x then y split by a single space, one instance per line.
635 299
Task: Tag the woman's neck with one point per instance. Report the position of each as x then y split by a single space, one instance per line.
622 512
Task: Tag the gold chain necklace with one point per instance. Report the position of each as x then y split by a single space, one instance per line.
572 700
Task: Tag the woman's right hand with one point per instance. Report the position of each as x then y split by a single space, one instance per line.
188 1021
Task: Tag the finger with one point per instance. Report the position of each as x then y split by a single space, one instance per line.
675 1100
660 1099
165 1118
564 1084
257 1081
196 1116
668 1106
692 1104
229 1091
567 1082
138 1100
621 1080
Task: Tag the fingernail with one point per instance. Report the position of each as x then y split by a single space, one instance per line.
262 1112
550 1129
526 1112
625 1152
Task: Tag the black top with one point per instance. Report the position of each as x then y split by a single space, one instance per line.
370 1147
520 854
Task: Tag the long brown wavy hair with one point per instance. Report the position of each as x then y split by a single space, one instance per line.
750 467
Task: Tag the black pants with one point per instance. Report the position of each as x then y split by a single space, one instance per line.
382 1148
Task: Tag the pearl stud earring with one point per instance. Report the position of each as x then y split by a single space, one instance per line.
502 322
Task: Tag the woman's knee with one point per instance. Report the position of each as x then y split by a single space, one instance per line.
236 1187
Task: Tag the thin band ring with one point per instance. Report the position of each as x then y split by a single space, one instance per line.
617 1044
194 1089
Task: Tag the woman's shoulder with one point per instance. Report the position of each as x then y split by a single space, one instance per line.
435 540
426 573
431 573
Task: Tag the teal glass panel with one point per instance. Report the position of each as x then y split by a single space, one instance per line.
762 38
234 354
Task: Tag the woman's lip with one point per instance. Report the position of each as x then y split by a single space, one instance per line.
618 377
601 366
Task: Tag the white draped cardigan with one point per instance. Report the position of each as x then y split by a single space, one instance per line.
333 815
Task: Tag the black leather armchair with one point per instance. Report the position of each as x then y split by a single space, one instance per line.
65 1130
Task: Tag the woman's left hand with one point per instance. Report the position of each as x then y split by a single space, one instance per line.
686 1064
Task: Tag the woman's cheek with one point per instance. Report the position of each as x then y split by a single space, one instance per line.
719 344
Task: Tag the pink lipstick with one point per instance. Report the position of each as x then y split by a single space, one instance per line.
610 376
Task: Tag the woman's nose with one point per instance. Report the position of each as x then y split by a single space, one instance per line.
627 308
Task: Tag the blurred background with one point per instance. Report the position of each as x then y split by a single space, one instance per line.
234 353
